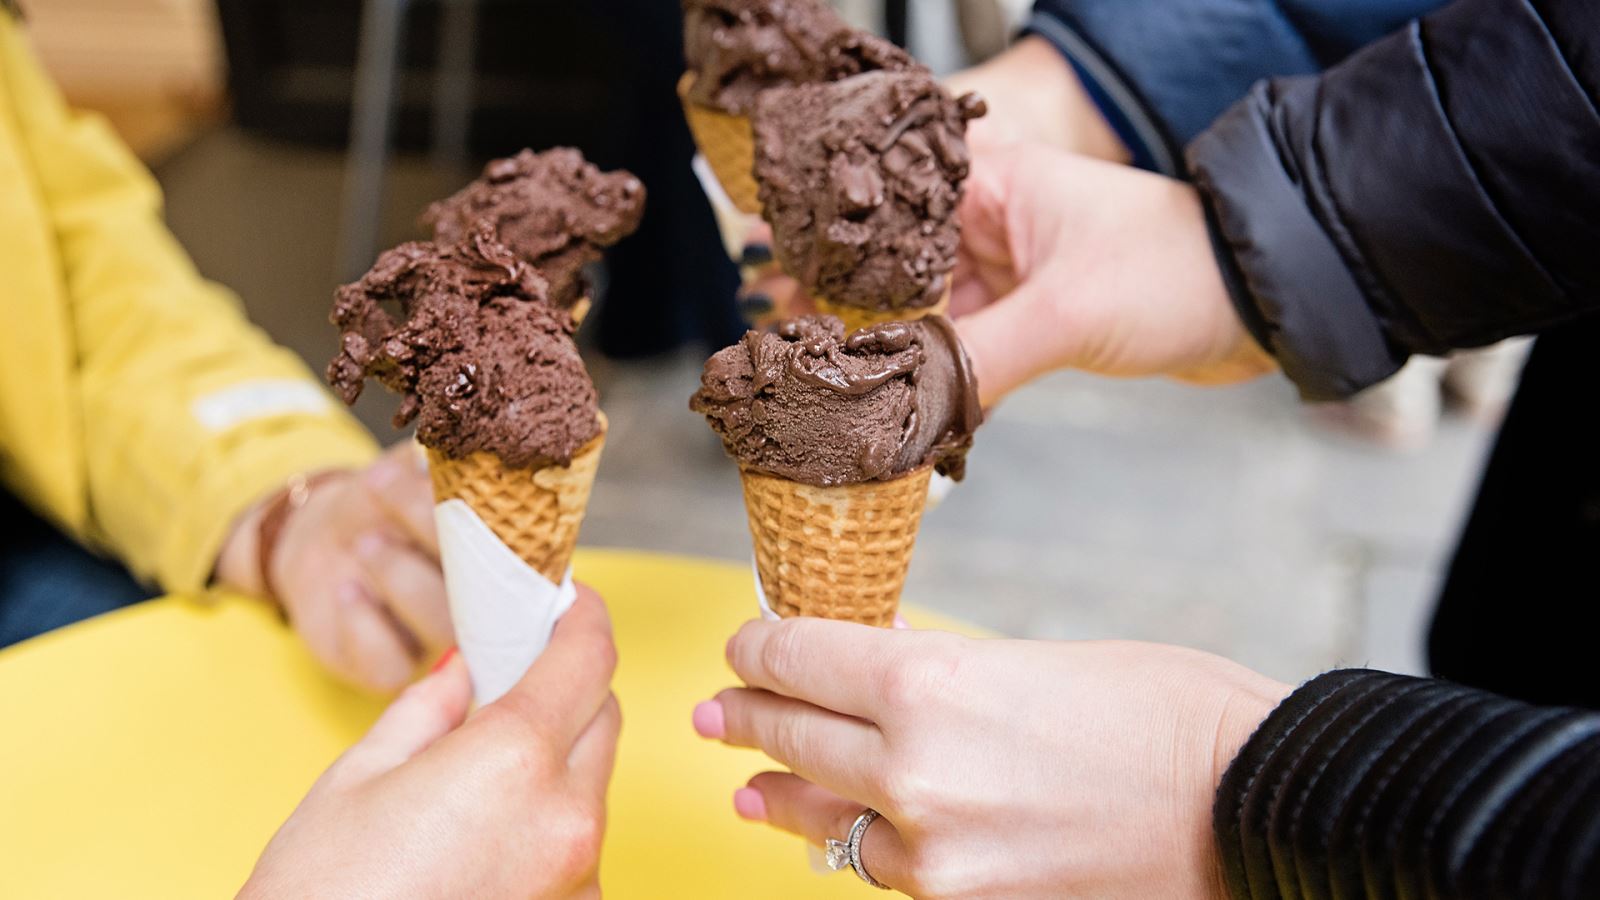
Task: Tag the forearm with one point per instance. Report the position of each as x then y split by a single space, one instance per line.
1369 784
184 414
1034 96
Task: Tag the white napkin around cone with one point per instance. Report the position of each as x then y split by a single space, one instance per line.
503 609
734 224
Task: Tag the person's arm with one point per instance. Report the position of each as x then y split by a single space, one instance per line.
1035 96
186 414
1436 191
1159 73
1366 784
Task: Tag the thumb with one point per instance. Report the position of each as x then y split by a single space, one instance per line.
423 713
1015 339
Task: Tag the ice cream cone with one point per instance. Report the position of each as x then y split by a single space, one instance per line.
854 317
729 146
837 552
535 512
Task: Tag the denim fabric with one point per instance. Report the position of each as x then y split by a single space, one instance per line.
47 580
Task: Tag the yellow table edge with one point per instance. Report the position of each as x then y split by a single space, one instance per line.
153 751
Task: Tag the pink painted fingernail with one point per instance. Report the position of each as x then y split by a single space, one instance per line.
749 804
709 721
443 661
900 621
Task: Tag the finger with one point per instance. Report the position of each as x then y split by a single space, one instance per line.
840 666
839 752
594 756
376 652
412 587
399 482
1001 361
566 686
425 712
780 295
799 807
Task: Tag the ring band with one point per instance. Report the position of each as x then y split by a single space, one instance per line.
848 851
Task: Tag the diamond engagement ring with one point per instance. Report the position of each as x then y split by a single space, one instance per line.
848 851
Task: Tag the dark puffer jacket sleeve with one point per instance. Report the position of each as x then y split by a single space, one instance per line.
1438 190
1369 785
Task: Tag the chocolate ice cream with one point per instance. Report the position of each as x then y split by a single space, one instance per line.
738 48
553 209
860 180
484 361
812 405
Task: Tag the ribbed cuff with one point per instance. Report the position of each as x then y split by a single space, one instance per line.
1366 784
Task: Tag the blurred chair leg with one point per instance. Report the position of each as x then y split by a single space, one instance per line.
372 112
452 95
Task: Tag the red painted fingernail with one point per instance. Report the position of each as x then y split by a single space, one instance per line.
709 721
749 804
443 661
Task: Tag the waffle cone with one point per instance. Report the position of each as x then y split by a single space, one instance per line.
855 318
536 512
729 146
835 552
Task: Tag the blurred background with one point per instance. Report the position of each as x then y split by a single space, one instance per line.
1233 520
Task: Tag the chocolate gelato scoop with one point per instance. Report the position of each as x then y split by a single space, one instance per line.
812 405
738 48
860 180
553 209
484 361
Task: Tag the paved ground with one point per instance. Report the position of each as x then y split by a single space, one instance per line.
1219 519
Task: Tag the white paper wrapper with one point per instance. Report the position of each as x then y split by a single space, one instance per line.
761 595
503 609
734 225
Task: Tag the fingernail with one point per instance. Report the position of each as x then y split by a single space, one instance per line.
755 255
900 621
709 721
750 805
755 305
443 661
368 546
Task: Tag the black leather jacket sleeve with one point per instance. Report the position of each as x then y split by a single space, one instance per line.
1440 189
1369 785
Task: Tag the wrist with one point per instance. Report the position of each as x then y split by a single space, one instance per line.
1036 97
246 563
237 568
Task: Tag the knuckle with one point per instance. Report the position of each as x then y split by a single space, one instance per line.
935 873
912 793
524 756
604 656
581 833
918 679
788 738
780 653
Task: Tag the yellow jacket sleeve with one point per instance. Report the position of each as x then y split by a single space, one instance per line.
184 414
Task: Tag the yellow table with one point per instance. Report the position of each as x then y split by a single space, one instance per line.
152 752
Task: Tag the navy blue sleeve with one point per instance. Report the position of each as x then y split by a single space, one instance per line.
1163 70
